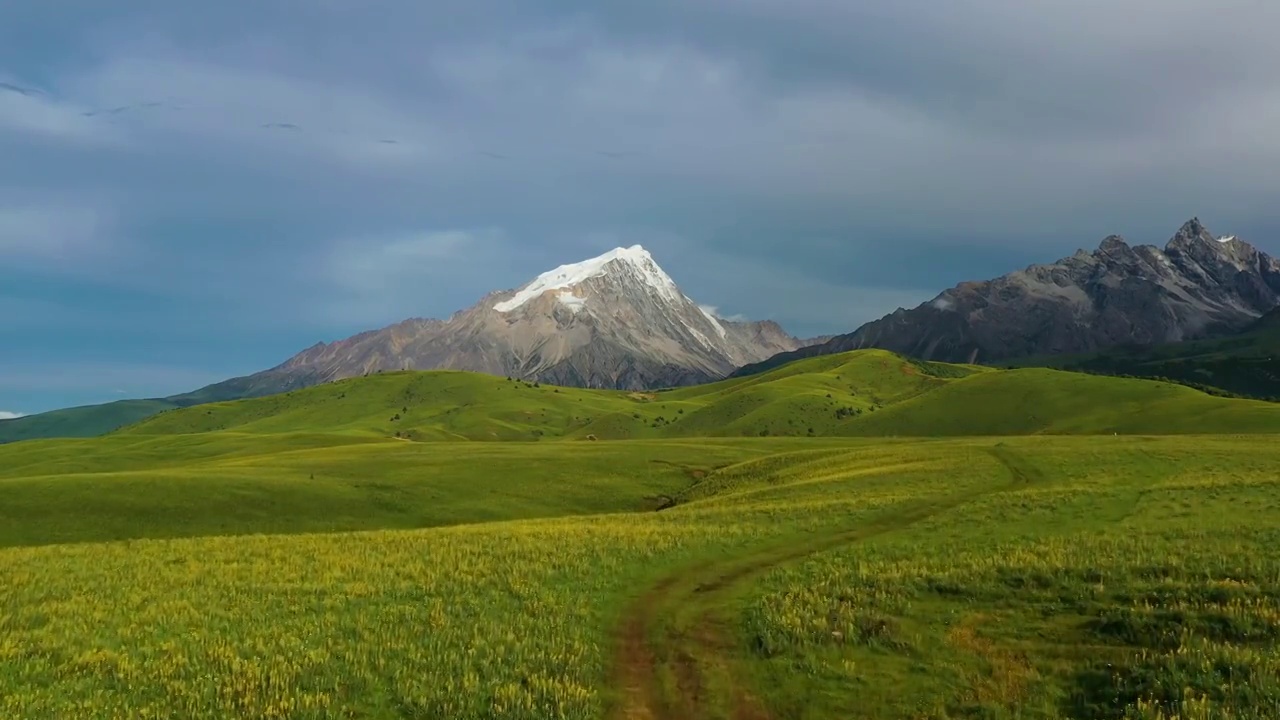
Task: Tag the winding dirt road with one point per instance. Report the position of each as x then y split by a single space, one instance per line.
677 646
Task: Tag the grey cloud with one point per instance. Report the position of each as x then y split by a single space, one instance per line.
135 378
808 159
384 279
32 113
23 91
35 235
801 301
1001 65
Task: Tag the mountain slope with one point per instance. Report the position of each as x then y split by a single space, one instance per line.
1269 323
1245 364
1198 286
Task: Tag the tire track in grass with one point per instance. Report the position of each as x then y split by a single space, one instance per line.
677 645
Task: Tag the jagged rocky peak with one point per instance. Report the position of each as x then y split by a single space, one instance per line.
1193 244
1113 244
1193 231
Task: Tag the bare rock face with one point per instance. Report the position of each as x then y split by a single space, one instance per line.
614 321
1198 286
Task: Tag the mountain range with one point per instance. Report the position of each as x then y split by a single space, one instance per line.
618 321
1198 286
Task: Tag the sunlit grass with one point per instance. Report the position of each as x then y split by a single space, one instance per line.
1109 588
499 620
1069 577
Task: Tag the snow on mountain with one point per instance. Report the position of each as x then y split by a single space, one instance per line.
613 321
715 322
634 259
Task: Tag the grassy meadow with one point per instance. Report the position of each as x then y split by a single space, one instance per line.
119 488
386 451
1135 583
951 542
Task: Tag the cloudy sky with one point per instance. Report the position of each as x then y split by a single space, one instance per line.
191 191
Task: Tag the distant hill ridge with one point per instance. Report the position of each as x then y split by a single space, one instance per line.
861 393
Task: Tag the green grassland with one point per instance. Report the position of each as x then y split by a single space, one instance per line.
1130 584
862 393
122 487
382 451
951 542
1048 577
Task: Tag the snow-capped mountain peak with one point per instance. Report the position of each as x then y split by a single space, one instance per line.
635 260
613 321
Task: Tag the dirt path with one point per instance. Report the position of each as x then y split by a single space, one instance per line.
677 644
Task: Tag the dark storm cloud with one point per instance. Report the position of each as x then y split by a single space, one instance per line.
815 161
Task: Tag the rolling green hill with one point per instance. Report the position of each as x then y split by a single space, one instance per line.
1034 401
862 393
390 450
121 487
85 421
1244 365
95 420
